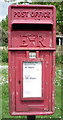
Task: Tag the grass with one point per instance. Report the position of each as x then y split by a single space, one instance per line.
5 95
3 63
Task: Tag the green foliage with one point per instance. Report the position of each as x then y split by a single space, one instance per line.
5 23
0 35
60 17
59 58
4 38
0 55
4 56
4 32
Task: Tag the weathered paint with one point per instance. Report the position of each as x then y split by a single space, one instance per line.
31 28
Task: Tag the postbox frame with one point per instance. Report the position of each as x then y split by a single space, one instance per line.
12 60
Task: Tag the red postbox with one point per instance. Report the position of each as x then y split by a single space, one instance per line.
31 46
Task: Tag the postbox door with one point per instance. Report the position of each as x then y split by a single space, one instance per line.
42 99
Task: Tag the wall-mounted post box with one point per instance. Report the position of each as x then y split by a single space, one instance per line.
31 46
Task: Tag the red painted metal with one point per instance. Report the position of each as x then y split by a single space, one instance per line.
32 28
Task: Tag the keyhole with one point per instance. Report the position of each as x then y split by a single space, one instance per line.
19 81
